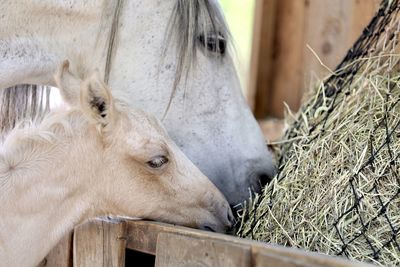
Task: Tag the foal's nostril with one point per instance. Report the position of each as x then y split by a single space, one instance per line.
264 179
231 218
208 228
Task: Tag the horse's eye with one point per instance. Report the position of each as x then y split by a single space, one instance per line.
157 162
214 42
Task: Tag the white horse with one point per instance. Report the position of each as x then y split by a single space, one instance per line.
169 58
102 158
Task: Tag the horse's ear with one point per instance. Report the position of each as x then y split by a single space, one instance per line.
97 101
68 84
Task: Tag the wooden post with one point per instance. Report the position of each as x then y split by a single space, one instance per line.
289 57
262 56
326 32
276 57
363 11
100 243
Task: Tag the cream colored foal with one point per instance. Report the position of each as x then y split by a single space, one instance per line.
101 157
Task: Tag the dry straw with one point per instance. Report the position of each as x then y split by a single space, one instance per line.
338 188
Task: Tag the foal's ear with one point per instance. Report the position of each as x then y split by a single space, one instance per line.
68 84
97 101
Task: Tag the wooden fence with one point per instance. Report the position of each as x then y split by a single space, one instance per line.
283 66
100 243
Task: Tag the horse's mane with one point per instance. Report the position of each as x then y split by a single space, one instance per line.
22 102
189 20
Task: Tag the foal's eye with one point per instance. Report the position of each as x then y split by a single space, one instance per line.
157 162
214 42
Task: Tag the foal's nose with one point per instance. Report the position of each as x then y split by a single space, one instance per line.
228 219
223 223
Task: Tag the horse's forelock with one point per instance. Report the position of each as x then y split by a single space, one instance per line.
189 20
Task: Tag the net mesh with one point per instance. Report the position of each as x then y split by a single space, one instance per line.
358 215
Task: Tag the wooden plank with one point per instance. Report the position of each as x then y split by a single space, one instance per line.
261 63
288 58
326 32
60 255
331 29
277 58
142 236
362 13
180 251
148 232
99 243
282 66
266 259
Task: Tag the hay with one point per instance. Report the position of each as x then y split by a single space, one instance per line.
338 188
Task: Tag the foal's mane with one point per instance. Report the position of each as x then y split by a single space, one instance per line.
189 20
32 141
57 125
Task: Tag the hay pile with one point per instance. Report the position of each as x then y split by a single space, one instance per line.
338 188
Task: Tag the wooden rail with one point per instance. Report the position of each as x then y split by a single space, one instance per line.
100 243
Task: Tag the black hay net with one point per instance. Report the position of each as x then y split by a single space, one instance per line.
378 40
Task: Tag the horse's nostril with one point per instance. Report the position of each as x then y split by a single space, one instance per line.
264 179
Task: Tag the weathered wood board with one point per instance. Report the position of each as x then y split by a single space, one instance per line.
291 40
148 233
99 243
190 251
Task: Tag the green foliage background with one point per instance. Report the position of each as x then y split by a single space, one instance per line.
240 15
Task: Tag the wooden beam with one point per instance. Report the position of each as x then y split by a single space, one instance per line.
99 243
326 33
143 235
362 13
266 259
288 58
175 250
282 67
277 57
261 62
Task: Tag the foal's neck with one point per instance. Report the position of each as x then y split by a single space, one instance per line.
42 188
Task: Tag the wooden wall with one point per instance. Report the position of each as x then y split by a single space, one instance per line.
282 65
